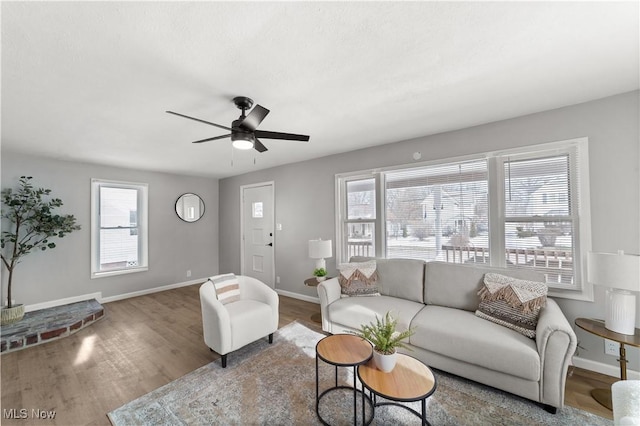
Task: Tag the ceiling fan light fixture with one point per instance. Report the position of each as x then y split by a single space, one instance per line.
242 141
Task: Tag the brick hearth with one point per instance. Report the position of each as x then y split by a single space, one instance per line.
49 324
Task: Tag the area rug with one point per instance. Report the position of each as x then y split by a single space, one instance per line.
275 385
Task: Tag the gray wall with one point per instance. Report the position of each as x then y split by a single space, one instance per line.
174 246
304 192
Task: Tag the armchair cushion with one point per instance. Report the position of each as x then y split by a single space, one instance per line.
227 288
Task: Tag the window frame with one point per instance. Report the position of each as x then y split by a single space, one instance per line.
142 226
577 150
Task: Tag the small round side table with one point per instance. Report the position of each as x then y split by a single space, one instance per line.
343 350
313 282
409 381
603 396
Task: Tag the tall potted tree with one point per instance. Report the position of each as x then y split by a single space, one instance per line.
33 225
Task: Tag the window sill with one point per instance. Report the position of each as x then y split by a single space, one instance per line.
118 272
584 295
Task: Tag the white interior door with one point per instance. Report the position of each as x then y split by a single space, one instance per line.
257 232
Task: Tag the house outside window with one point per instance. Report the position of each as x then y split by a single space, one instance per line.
118 228
520 208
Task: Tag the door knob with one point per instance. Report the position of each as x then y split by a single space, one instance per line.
270 244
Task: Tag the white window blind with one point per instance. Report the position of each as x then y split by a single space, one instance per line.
541 215
438 212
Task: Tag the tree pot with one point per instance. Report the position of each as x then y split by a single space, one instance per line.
384 363
11 315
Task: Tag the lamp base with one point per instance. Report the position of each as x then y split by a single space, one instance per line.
621 312
321 263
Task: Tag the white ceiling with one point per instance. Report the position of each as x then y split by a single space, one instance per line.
90 81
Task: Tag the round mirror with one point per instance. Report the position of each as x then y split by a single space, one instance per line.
189 207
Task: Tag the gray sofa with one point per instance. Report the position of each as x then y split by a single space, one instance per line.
440 299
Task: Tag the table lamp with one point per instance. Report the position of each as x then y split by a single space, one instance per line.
620 273
320 249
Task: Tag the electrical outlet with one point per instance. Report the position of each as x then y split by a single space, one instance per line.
277 280
611 347
188 273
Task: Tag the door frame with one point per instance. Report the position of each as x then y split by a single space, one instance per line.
242 228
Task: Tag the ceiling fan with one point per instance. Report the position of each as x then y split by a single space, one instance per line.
244 133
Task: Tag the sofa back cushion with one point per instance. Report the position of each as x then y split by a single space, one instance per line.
456 286
402 278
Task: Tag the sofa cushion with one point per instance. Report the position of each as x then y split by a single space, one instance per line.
456 286
358 278
461 335
353 312
402 278
511 302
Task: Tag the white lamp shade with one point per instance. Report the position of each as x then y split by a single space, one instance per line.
620 271
320 249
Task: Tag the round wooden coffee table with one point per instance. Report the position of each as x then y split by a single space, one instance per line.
343 350
409 381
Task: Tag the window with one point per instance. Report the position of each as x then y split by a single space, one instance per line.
541 214
359 225
520 208
118 228
432 211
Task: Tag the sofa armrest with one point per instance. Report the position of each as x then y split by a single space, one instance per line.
328 292
556 343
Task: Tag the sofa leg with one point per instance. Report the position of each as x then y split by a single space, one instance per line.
223 358
550 408
271 338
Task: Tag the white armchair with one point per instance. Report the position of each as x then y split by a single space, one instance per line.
229 327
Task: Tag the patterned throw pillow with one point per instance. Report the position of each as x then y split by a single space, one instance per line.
358 279
512 303
227 288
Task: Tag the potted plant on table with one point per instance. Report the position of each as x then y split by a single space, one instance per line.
320 274
33 225
385 339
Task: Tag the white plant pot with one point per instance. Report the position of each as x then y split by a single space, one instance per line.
11 315
320 279
384 363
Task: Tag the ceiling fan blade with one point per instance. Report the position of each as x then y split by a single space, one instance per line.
278 135
258 146
202 121
213 138
254 118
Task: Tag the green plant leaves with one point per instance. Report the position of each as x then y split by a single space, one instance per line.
383 335
33 223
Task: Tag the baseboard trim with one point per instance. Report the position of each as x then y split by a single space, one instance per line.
60 302
150 290
298 296
602 368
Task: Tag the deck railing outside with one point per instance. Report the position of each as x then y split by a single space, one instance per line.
555 264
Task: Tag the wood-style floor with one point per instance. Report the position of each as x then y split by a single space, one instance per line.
142 344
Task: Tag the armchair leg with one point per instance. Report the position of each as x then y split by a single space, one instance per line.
271 338
224 360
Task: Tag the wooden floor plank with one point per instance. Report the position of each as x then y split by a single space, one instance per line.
142 344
